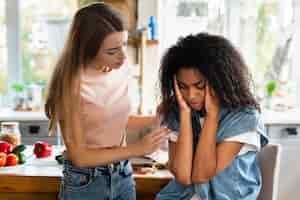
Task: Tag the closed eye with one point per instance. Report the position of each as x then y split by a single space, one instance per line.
200 86
181 87
115 50
111 52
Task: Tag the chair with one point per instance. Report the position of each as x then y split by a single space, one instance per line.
269 160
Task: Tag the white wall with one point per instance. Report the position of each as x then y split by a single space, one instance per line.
295 56
13 34
147 8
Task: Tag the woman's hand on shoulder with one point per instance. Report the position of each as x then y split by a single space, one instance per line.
212 104
184 107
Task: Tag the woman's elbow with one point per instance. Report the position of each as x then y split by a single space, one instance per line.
180 177
184 180
200 179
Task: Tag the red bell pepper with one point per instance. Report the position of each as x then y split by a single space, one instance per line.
5 147
42 149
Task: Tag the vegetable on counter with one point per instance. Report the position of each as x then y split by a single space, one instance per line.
18 149
2 159
10 156
60 159
5 147
22 158
42 149
12 159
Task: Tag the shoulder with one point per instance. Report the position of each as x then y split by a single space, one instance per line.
246 116
235 122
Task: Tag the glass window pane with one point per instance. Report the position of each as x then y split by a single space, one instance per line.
3 49
44 25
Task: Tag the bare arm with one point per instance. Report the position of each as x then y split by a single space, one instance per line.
82 156
210 159
136 122
181 152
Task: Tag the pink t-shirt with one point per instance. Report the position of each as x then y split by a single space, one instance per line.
106 107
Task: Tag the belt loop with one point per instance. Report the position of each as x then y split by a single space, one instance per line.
122 166
93 172
111 168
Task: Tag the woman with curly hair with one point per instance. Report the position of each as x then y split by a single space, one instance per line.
215 121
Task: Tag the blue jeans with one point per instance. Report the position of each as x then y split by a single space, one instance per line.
108 182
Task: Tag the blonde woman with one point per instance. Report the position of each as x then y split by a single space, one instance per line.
88 98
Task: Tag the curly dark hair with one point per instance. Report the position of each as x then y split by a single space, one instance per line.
218 60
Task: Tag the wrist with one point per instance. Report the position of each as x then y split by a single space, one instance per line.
134 150
212 115
212 118
185 112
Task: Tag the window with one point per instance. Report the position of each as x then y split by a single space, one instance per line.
261 30
44 25
264 32
183 17
3 49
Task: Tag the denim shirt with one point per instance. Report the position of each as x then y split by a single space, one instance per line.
241 180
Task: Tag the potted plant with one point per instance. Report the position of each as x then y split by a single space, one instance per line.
270 88
19 99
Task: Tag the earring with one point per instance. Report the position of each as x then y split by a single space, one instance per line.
106 69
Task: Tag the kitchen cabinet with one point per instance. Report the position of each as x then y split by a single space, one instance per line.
33 126
284 128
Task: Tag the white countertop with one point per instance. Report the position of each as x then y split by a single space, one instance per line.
272 117
49 167
10 115
36 166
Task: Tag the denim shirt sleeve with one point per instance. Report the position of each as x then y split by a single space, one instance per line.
232 123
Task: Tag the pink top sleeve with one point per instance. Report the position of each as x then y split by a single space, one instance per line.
106 107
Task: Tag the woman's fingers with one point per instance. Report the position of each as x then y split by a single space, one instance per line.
177 91
160 133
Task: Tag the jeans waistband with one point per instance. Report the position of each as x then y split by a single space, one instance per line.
107 169
112 168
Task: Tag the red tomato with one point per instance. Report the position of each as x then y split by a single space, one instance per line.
12 159
2 159
5 147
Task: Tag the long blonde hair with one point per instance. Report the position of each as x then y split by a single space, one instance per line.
91 24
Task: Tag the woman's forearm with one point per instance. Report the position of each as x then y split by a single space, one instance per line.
136 122
92 157
205 160
183 158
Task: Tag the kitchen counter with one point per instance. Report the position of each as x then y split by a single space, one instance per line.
40 179
10 115
288 117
